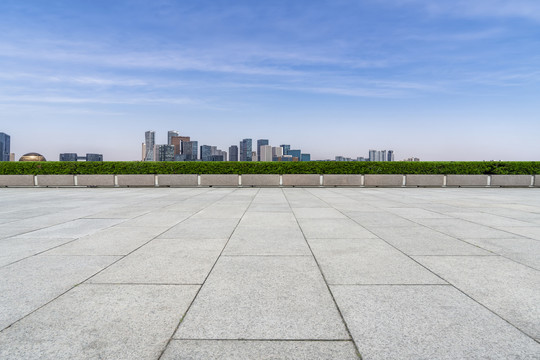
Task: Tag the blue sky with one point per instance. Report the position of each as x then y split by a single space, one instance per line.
439 80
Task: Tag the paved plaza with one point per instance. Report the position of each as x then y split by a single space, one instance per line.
269 273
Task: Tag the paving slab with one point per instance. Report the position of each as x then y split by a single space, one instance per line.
420 240
157 218
72 229
507 288
116 240
28 284
263 298
318 213
262 350
15 249
333 229
367 261
463 229
427 322
378 218
165 261
523 250
202 229
100 322
532 232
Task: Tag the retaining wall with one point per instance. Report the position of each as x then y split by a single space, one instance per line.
269 180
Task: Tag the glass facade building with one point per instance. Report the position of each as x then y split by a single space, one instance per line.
245 150
261 142
286 149
149 142
233 153
189 150
295 154
206 152
305 157
5 146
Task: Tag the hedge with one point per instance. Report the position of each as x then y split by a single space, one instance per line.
311 167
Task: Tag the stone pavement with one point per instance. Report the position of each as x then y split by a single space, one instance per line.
269 273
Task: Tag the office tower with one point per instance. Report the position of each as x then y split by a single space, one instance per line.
245 150
287 158
361 158
163 152
390 155
261 142
170 135
94 157
68 157
149 141
340 158
372 154
233 153
176 141
206 152
265 153
305 157
12 157
189 150
143 152
5 146
277 151
295 154
253 156
383 155
286 149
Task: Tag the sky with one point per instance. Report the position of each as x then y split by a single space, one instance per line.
438 80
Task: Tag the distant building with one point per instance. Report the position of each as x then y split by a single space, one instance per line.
170 135
261 142
390 155
189 150
12 157
5 146
285 148
305 157
68 157
206 152
253 156
265 153
176 141
277 151
286 158
383 155
245 150
163 152
233 153
149 142
94 157
361 158
295 154
372 155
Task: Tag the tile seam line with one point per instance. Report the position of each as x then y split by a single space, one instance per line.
88 278
171 338
448 282
357 350
69 242
262 340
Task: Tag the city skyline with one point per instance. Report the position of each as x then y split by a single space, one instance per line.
444 80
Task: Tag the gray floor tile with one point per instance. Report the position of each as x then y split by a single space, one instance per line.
318 213
378 218
464 229
116 240
31 283
367 261
73 229
100 322
420 240
522 250
507 288
526 231
14 249
333 229
261 350
427 322
202 229
263 298
161 218
165 261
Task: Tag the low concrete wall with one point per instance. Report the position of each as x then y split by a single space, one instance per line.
178 180
424 180
301 180
467 180
537 180
383 180
136 180
343 180
511 180
260 180
95 180
219 180
55 180
16 180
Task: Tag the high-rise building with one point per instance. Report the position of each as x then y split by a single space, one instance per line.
372 154
163 153
390 155
245 150
189 150
94 157
5 146
261 142
305 157
149 141
253 156
12 157
170 135
206 152
68 157
383 155
286 149
176 141
265 153
295 154
277 151
233 153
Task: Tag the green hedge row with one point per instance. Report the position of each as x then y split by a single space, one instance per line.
311 167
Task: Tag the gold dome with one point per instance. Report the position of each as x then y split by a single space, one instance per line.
32 157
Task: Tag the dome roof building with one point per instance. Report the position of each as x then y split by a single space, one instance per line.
32 157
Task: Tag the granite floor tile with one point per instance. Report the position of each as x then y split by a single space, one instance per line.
202 229
522 250
333 229
72 229
15 249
